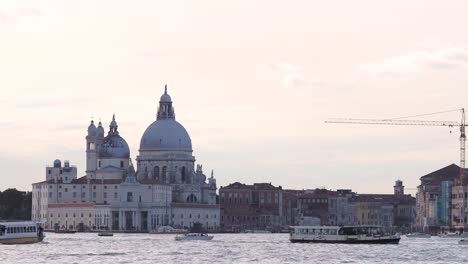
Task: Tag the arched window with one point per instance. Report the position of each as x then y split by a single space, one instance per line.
156 173
182 173
164 173
191 198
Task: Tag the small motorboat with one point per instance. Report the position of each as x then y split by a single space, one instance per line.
418 235
450 235
194 236
105 234
463 241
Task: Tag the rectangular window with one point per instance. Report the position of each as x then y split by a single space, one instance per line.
74 194
115 195
83 194
50 194
105 195
129 197
60 195
94 194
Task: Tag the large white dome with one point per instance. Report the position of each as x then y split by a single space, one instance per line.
166 134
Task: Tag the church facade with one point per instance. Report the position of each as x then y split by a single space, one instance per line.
166 189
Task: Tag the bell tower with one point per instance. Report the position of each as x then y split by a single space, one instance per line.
398 189
91 151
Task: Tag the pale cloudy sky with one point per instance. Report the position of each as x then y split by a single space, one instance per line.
251 81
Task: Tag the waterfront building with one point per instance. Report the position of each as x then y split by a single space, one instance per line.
251 207
439 200
340 208
315 204
389 210
166 188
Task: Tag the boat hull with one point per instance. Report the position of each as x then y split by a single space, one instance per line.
353 241
21 240
193 239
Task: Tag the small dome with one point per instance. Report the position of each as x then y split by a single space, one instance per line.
100 130
92 129
114 146
166 134
165 98
57 163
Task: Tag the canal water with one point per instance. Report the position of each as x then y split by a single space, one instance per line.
226 248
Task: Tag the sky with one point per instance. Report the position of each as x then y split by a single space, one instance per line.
251 81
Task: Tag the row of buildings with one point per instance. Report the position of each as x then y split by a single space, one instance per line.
262 206
167 187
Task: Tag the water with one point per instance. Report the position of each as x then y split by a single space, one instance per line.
225 248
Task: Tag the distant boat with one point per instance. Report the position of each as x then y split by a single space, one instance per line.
452 235
418 235
463 241
342 234
21 232
65 231
169 230
105 234
257 231
193 236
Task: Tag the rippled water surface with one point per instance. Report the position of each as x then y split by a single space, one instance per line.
225 248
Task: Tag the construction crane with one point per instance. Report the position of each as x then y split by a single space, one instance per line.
403 121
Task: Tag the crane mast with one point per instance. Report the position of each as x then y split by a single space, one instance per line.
404 122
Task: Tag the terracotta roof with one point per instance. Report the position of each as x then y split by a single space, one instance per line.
448 173
255 186
49 181
84 180
387 198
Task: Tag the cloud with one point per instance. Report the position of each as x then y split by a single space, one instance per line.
291 75
30 11
435 58
4 17
53 102
13 14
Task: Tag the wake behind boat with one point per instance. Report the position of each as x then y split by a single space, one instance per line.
21 232
418 235
193 236
343 234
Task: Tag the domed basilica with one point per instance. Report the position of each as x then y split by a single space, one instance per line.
166 189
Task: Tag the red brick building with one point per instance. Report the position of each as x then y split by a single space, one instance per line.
251 207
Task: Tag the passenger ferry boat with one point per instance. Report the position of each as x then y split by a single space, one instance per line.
342 234
21 232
